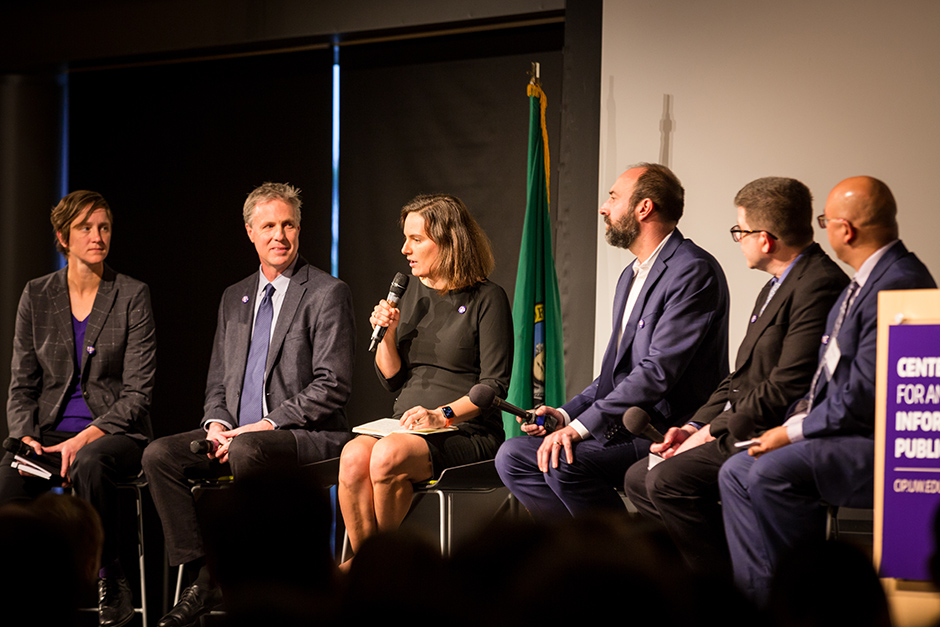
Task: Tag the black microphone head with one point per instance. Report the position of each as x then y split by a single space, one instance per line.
741 427
399 284
200 446
482 396
636 420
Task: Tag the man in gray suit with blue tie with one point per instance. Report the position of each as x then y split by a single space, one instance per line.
279 379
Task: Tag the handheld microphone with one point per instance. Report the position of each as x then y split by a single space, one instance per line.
484 397
18 447
395 291
50 462
637 422
204 446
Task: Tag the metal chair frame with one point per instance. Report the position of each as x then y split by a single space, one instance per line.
137 484
475 478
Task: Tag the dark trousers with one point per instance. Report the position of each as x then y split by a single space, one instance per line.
589 484
771 504
97 468
170 464
682 493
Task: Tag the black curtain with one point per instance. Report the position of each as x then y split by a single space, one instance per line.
175 149
445 114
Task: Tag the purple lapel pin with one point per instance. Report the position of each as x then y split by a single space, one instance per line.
641 324
90 350
245 298
462 309
753 318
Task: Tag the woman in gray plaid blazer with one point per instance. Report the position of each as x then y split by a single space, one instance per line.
82 378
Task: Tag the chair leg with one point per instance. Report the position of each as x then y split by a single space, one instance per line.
140 557
179 585
342 554
450 523
832 522
442 512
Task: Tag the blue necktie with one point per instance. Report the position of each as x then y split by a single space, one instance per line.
774 286
252 408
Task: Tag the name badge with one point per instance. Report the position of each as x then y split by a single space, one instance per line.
832 355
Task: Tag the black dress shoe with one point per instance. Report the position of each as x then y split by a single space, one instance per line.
115 607
195 601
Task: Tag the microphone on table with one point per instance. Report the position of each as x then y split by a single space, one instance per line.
484 397
637 422
204 446
395 291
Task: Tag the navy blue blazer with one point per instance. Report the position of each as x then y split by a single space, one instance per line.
308 375
840 426
845 404
674 350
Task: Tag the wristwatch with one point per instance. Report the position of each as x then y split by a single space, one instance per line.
449 415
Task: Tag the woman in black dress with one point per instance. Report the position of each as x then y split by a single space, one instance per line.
451 331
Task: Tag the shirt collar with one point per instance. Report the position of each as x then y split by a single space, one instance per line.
280 282
646 265
866 268
783 275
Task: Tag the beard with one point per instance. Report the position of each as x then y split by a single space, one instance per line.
624 232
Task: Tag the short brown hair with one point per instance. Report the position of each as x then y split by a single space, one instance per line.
73 206
662 186
780 206
465 254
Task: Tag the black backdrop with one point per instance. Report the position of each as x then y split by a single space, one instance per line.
434 115
176 147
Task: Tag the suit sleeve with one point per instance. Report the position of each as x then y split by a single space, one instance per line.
332 340
715 405
766 403
215 409
690 307
26 379
139 368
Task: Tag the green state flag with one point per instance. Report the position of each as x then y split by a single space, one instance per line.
538 367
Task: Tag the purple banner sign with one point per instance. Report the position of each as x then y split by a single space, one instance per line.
912 450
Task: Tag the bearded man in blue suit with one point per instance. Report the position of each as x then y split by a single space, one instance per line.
772 497
667 351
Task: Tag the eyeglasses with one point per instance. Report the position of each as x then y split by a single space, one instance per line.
824 221
737 233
